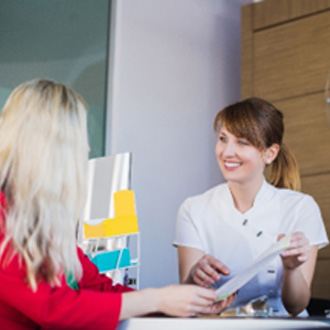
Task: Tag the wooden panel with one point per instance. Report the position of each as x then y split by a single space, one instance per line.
321 282
270 12
318 187
292 59
288 65
246 52
307 132
307 7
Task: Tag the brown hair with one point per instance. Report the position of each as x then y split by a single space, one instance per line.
262 125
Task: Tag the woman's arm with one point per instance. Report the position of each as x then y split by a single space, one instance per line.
299 264
188 257
174 300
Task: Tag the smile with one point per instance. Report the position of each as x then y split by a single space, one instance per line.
232 165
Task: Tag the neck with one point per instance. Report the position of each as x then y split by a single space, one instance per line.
244 194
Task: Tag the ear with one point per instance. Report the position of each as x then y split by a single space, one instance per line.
271 153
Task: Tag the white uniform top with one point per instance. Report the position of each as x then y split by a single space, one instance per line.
211 223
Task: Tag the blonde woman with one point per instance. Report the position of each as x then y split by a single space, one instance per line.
46 281
221 232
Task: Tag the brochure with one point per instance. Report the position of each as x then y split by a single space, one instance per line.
245 276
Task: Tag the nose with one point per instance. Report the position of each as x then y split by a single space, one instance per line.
229 149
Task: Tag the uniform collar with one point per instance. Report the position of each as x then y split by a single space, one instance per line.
265 193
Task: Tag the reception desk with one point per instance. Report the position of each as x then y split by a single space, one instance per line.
167 323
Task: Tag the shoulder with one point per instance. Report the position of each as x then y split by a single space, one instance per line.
207 195
198 203
294 199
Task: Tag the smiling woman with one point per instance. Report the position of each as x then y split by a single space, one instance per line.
221 232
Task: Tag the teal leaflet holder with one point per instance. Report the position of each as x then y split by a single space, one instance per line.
110 260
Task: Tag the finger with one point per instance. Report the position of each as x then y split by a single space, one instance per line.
200 282
297 246
298 243
200 306
280 236
203 278
204 310
207 294
220 306
298 234
217 308
294 252
231 299
193 309
302 258
187 313
219 266
202 301
211 273
212 309
299 238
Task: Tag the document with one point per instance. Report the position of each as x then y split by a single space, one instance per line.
245 276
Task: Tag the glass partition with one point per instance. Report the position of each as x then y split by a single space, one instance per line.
62 40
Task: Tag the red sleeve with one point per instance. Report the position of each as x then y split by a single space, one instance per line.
59 307
93 280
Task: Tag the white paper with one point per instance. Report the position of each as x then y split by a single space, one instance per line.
245 276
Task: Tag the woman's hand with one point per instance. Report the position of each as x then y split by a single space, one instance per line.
219 306
299 264
207 271
298 251
190 300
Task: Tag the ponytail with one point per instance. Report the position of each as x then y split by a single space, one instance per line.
284 171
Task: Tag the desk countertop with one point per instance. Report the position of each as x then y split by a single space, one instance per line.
167 323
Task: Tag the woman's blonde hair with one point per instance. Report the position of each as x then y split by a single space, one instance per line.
262 125
43 160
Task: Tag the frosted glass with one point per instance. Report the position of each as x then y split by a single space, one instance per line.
62 40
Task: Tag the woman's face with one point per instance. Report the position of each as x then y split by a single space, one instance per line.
239 161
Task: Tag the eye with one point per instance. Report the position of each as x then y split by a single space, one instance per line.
243 142
222 138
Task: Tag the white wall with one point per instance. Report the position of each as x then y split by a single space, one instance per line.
173 64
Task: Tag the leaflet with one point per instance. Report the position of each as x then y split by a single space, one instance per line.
245 276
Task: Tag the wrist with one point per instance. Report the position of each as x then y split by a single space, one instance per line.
153 299
290 272
288 269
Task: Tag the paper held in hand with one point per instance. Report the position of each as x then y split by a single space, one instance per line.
241 279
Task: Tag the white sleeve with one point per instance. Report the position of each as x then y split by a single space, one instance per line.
186 231
310 222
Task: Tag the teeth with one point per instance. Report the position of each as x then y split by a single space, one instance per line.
232 164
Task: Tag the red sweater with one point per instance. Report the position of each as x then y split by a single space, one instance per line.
96 305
